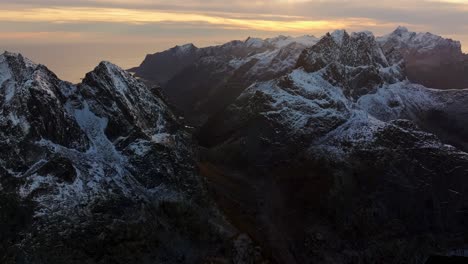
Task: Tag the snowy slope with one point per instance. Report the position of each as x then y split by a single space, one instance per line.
362 157
101 170
210 78
402 38
430 60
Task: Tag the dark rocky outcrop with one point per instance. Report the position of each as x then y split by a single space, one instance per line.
338 168
101 172
201 82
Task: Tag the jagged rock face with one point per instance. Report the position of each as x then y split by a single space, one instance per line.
441 112
32 101
356 175
100 173
205 85
430 60
128 104
354 62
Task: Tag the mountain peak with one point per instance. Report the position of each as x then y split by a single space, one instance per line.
18 72
419 42
107 74
106 70
339 35
110 66
185 48
283 41
254 42
365 33
10 54
400 30
16 60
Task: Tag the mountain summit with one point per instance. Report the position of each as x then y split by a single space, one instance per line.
206 80
430 60
102 172
351 159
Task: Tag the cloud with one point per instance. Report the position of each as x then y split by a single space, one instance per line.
263 22
87 31
445 17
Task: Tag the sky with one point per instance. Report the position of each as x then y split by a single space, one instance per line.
72 36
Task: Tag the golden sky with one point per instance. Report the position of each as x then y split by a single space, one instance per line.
24 19
158 24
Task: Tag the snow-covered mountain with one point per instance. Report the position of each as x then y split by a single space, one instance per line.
430 60
100 172
353 161
201 82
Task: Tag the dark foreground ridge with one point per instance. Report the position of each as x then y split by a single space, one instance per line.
447 260
101 172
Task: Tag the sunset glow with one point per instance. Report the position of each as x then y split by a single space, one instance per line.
113 15
158 24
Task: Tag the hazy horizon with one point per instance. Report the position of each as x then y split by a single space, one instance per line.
72 36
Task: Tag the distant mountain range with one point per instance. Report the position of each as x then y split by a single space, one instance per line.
203 81
286 150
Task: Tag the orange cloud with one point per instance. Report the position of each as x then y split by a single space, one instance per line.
116 15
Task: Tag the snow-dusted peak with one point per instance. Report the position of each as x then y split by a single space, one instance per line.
113 69
15 64
365 33
338 36
429 59
401 30
307 40
125 101
358 50
108 81
283 41
356 63
107 71
402 38
19 75
185 49
254 42
19 57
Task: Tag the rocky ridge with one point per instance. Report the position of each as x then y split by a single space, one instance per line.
349 147
100 172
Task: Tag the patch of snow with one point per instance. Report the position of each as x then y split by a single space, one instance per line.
254 42
140 147
117 81
398 100
184 49
5 75
296 109
273 60
163 139
18 121
35 182
421 42
338 36
94 128
283 41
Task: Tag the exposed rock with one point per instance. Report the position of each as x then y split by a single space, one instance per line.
204 81
99 173
430 60
337 175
